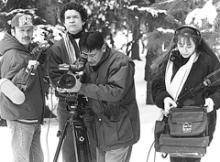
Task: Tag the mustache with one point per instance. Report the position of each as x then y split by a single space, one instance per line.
26 38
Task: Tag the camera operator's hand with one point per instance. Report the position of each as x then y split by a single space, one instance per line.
64 67
168 104
209 104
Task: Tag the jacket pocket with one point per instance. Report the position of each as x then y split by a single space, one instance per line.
117 131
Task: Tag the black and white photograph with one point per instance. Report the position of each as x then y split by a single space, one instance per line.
109 80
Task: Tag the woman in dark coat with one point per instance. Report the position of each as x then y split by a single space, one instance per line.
187 64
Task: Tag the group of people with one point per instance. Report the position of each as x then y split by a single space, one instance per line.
108 84
113 124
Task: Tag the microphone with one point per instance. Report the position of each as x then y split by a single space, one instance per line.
11 91
212 79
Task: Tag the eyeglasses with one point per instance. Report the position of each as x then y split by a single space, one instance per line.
89 54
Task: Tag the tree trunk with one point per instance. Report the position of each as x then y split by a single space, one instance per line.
48 9
135 46
136 36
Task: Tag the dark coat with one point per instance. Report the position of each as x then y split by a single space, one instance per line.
13 67
205 64
57 55
111 95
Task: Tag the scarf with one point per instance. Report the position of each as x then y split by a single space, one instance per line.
71 51
174 85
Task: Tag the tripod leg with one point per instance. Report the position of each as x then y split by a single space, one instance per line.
75 144
81 143
61 138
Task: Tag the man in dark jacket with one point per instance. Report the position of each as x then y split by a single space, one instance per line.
62 54
108 83
19 67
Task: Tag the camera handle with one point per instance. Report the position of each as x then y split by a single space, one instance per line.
80 139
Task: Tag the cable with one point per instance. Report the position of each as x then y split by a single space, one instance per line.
49 122
148 154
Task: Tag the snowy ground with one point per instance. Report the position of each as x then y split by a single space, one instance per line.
148 115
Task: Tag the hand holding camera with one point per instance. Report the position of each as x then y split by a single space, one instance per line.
39 52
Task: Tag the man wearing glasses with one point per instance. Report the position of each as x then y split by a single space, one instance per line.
108 83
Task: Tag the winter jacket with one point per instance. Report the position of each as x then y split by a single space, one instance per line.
111 95
13 67
205 64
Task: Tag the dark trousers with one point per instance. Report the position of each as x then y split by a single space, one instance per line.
183 159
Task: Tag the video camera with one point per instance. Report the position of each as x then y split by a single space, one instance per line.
70 82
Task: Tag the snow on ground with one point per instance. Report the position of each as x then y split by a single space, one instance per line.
148 115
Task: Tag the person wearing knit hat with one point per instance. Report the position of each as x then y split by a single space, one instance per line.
19 65
63 54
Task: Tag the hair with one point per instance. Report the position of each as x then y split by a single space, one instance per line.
191 32
91 40
73 6
187 31
3 23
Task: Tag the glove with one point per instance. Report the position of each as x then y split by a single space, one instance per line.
39 52
209 104
168 104
42 58
39 49
32 64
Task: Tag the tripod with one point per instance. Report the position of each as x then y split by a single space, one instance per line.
80 139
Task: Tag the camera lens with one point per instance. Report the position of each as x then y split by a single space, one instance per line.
67 81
